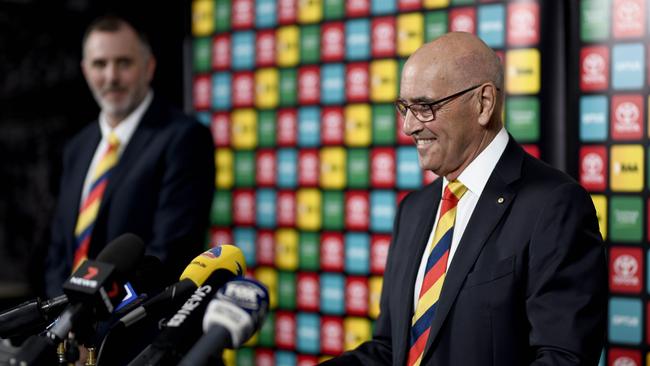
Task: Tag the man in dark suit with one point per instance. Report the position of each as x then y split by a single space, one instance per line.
142 167
522 279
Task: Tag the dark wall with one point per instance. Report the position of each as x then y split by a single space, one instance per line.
44 100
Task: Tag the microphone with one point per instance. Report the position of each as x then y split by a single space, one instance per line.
224 256
183 329
93 290
233 316
30 316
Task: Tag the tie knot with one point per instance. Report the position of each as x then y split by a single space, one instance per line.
454 191
113 141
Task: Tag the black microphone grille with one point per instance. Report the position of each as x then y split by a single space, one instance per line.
124 252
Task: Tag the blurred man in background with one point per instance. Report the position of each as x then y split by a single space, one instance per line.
142 167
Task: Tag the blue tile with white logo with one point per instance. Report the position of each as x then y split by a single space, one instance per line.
308 333
332 84
243 50
409 174
285 358
382 210
265 13
357 39
287 167
380 7
628 66
265 207
625 325
594 117
491 24
332 288
221 92
357 253
244 238
309 127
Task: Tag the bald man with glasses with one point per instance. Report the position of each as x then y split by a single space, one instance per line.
500 260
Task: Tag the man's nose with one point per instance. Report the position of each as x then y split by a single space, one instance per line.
111 72
411 124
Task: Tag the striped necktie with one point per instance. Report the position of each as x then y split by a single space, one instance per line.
90 207
435 272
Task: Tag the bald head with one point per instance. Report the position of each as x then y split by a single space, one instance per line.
460 59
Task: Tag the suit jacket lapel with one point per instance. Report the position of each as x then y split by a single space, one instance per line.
426 214
487 213
138 143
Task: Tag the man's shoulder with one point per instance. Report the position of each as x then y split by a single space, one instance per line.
88 133
541 181
166 116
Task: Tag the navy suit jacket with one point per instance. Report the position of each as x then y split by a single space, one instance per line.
161 190
527 284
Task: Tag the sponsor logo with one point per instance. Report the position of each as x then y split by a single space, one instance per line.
625 320
625 168
92 272
625 270
462 23
523 23
628 18
594 68
592 169
624 361
627 117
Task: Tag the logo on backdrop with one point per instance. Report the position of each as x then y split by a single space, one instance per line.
462 23
592 169
523 23
625 270
594 68
624 361
628 18
627 117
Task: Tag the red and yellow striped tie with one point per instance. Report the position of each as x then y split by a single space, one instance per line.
435 272
90 207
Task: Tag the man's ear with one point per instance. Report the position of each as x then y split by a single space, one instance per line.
151 67
487 103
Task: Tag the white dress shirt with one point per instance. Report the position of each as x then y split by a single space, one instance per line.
123 131
474 177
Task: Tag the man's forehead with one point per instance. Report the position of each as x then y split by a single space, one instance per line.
116 44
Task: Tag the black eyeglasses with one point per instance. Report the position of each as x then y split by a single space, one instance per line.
425 112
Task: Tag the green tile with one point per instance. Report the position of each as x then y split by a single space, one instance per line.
626 219
522 118
309 251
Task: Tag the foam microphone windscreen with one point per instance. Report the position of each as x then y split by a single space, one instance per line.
124 252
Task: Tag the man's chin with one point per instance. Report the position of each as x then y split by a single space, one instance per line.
115 110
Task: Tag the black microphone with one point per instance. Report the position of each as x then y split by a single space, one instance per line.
31 316
163 304
233 316
138 325
93 290
183 329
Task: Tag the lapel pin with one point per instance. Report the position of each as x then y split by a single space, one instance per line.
500 200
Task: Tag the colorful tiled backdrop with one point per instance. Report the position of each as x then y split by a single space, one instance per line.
311 161
613 140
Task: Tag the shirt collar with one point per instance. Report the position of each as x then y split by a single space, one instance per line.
125 129
477 173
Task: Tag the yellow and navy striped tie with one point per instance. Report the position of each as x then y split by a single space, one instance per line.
435 272
90 207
